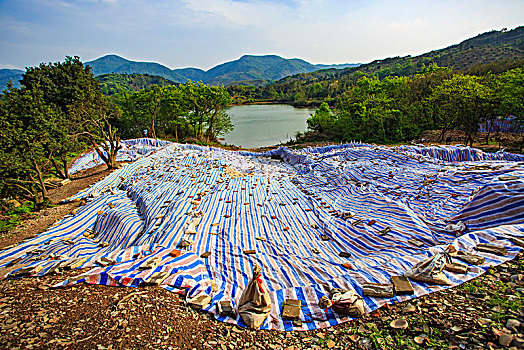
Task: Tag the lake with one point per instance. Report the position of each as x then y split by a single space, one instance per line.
265 124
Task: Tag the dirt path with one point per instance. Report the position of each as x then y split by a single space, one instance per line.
38 222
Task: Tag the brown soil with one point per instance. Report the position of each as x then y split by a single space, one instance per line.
35 316
509 141
38 222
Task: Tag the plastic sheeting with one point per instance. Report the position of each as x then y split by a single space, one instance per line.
131 151
509 124
279 204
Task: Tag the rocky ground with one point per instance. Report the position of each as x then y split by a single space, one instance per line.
486 313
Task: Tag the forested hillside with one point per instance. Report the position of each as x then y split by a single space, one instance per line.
247 70
111 84
13 75
494 51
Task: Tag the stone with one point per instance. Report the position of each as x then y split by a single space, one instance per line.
505 339
409 309
416 242
14 203
402 285
150 263
157 278
491 249
185 242
508 177
518 342
399 323
470 258
517 277
354 338
380 290
199 302
384 231
291 309
225 308
419 340
366 343
457 268
512 324
344 254
356 222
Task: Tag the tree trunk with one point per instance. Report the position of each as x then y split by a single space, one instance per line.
66 168
45 198
153 133
99 152
209 130
488 124
58 171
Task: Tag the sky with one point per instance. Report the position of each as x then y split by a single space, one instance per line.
204 33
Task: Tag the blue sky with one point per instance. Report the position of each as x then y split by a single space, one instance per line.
203 33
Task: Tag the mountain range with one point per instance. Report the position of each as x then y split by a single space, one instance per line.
247 70
483 49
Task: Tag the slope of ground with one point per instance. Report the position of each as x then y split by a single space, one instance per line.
479 314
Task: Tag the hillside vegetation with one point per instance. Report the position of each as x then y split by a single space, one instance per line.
12 75
111 84
494 51
59 111
247 70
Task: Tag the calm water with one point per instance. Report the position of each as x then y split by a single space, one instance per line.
265 125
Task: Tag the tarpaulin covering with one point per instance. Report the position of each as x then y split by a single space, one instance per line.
131 151
508 124
275 209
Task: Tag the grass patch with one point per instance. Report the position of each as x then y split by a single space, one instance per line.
13 217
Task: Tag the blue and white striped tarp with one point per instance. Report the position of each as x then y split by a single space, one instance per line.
131 151
509 124
279 203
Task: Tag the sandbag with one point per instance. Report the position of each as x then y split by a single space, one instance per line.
343 302
430 269
255 303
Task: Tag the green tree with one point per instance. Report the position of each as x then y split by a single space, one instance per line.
205 106
26 127
70 88
510 91
462 102
323 120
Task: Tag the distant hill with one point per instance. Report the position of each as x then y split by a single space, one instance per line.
116 83
13 75
248 69
116 64
482 50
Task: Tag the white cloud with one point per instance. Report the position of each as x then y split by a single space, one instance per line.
228 12
203 33
8 66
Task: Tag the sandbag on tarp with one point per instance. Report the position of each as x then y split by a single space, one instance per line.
430 269
343 302
255 303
